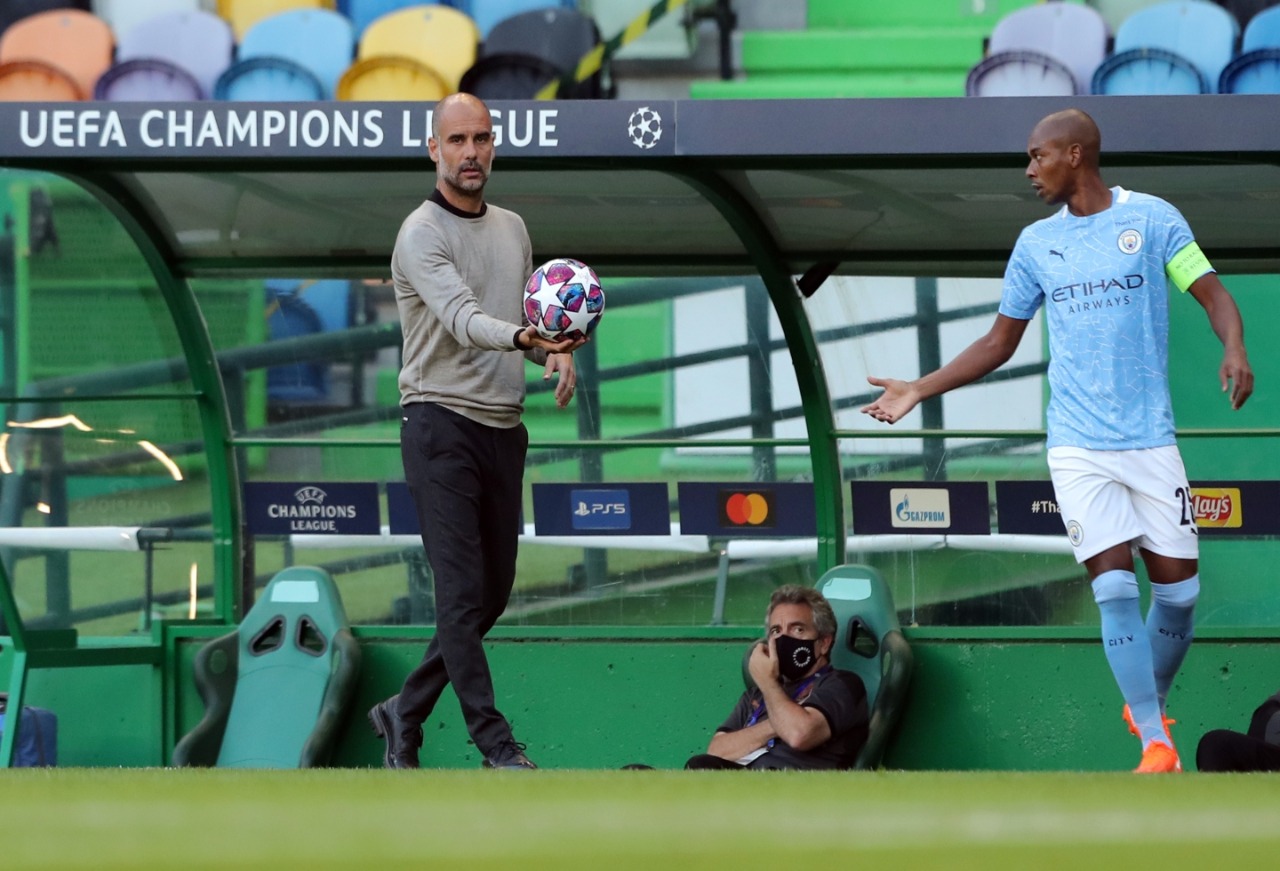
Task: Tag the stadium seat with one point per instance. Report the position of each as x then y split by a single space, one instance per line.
243 14
869 643
1020 74
526 51
69 43
277 689
364 12
1114 12
318 40
487 13
199 42
301 308
508 77
433 36
1030 48
36 82
124 15
15 10
268 79
1176 47
391 78
1245 10
1257 69
147 79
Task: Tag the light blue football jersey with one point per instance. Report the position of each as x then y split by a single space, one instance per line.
1102 281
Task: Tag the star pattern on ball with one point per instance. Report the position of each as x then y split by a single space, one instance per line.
547 299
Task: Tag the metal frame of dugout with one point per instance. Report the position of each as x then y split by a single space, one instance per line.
774 189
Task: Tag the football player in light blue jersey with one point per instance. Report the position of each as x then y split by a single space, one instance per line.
1101 266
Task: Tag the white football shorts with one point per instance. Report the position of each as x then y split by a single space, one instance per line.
1112 497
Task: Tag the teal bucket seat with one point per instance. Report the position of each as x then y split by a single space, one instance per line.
276 691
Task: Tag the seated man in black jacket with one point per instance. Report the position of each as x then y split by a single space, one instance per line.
802 712
1259 750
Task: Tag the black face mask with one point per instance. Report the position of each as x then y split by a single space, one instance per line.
795 656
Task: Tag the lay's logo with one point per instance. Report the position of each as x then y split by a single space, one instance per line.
1217 507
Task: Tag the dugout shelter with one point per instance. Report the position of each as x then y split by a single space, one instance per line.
159 261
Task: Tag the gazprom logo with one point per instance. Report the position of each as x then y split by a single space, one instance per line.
920 507
310 494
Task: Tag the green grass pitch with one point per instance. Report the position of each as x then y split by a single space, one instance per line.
355 819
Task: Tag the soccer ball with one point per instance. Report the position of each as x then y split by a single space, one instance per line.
563 299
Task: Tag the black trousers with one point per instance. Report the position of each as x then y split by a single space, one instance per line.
467 482
1228 750
705 762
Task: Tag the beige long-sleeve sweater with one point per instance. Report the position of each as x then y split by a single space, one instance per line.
459 284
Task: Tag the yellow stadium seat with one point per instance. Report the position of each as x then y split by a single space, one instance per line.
434 36
391 78
70 43
243 14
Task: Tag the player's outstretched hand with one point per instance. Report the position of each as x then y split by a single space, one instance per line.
531 338
1237 375
895 403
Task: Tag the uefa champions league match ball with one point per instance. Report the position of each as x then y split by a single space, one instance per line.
564 300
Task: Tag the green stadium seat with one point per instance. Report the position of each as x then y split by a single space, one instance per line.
870 643
276 691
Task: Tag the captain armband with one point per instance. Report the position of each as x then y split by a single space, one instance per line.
1187 265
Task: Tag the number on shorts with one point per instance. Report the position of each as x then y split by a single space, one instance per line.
1188 512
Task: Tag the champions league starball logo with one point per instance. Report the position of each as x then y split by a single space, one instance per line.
644 127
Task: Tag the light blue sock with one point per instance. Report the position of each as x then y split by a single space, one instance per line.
1170 629
1124 637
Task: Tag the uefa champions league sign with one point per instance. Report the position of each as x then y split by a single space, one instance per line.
606 128
273 508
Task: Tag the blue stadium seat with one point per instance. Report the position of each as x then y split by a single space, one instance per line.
487 13
1257 69
300 308
268 79
1178 47
318 40
1031 48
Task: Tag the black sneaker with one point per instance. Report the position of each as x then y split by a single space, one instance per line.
403 739
509 754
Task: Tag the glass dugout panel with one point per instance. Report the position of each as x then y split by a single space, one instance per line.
104 497
908 326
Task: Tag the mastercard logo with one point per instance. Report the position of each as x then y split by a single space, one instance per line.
746 509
